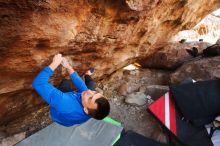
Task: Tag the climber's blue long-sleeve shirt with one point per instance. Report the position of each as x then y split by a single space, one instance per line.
65 108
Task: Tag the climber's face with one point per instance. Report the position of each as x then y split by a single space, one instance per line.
88 99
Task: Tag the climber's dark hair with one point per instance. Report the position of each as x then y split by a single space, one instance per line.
103 109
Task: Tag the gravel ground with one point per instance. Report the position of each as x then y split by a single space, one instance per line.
136 119
132 117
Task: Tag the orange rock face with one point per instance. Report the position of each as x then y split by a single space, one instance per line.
104 34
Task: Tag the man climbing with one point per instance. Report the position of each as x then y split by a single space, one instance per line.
68 107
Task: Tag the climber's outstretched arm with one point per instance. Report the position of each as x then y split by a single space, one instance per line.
47 91
77 81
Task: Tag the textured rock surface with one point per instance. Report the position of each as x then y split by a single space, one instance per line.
137 98
106 34
204 69
172 55
208 30
13 139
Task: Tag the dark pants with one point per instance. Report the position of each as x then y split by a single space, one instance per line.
65 85
131 138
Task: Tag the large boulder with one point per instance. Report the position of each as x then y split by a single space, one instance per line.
172 55
202 69
106 35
